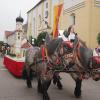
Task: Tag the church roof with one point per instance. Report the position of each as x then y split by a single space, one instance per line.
19 19
9 33
25 44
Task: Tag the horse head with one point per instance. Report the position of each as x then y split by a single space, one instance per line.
70 54
66 50
60 52
87 62
95 65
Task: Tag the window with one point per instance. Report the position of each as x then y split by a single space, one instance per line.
18 33
70 3
18 37
24 53
39 20
46 14
97 3
46 4
34 25
72 19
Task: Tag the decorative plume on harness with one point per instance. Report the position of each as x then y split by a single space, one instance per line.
44 52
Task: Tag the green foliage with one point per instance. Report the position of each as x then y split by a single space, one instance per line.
10 54
40 37
98 38
1 42
35 42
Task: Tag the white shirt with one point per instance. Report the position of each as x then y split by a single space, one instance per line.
95 53
71 36
64 38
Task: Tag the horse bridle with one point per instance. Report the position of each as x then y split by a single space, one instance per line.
60 57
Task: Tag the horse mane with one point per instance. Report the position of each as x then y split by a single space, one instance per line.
48 38
85 53
52 45
83 43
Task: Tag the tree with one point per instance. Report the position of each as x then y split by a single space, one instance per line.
1 44
40 37
98 38
35 42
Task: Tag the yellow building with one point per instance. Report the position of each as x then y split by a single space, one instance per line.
38 18
84 14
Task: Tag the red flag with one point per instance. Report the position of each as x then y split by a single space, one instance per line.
57 12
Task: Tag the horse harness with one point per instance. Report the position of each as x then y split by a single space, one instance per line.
85 73
58 65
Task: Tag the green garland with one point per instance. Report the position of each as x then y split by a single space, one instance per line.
10 54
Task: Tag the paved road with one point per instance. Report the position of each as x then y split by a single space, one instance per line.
12 88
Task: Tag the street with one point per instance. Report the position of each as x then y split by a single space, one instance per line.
12 88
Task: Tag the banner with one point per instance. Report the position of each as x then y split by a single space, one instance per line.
57 12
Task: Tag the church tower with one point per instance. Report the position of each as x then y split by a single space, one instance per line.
19 23
19 34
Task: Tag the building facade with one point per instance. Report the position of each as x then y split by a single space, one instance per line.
84 14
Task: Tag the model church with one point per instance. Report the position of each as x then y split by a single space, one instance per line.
17 39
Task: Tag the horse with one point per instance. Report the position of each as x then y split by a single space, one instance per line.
82 66
44 68
34 62
58 60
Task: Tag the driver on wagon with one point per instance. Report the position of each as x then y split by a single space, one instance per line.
69 36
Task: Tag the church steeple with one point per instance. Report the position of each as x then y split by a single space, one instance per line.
19 19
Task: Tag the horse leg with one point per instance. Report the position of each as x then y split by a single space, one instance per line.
39 86
56 80
28 79
77 91
45 85
59 84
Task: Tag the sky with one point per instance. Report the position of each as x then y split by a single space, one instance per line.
9 10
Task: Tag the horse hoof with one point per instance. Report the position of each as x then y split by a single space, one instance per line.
59 85
40 91
46 98
29 86
77 94
54 82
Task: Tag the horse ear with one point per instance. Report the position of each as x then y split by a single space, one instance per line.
48 38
